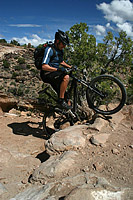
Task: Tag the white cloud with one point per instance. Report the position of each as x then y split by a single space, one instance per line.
100 30
25 25
35 40
119 12
126 27
108 26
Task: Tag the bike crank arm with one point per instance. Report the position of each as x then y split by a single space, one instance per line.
71 113
63 112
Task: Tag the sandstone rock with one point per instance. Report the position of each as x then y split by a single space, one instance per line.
14 111
99 139
99 166
7 50
128 112
24 181
25 105
98 124
2 189
6 103
5 156
1 112
10 115
79 193
108 195
91 194
71 138
115 151
82 186
31 161
55 167
116 119
67 184
34 193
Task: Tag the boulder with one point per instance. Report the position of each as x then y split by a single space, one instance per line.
98 124
6 103
34 193
55 167
116 120
99 139
71 138
91 194
82 186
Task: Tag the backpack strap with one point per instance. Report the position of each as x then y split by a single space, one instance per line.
54 52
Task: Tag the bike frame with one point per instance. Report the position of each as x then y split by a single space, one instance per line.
84 83
74 114
73 86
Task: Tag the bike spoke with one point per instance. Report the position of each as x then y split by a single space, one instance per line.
106 95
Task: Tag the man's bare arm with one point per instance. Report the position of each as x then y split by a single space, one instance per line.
65 64
48 68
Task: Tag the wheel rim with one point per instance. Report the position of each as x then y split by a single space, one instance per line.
114 95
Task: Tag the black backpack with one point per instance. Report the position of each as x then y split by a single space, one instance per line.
39 54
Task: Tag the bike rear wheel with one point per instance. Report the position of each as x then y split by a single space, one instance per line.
56 119
47 122
112 98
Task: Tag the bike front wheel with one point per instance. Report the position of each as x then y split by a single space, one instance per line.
106 94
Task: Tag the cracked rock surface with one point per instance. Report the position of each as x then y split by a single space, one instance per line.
70 164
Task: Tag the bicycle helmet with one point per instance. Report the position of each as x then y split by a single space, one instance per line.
60 35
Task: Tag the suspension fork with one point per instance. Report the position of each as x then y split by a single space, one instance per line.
75 95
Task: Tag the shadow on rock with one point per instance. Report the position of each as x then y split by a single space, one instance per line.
43 156
28 128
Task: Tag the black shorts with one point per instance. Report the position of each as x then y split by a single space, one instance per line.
53 78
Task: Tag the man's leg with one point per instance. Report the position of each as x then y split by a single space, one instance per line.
59 82
63 86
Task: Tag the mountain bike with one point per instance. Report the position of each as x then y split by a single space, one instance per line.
105 95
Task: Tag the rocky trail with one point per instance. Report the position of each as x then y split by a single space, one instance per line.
88 162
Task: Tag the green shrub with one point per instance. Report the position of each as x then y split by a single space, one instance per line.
1 87
14 75
15 57
15 42
21 60
13 91
20 91
28 66
6 64
27 91
3 41
17 67
13 83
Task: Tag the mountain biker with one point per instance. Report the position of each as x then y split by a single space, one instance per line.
52 73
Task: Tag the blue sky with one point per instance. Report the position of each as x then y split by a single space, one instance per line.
36 21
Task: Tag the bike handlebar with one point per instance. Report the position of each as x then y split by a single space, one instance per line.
68 70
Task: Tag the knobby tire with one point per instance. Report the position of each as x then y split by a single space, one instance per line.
114 91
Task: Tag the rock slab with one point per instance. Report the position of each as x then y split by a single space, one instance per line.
71 138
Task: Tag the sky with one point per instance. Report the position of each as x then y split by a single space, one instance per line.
36 21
